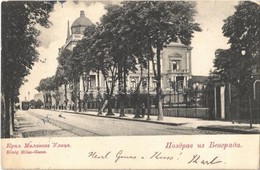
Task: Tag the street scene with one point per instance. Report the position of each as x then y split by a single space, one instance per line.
130 68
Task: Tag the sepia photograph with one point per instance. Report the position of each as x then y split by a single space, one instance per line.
134 73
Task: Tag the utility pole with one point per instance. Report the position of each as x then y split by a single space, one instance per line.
244 52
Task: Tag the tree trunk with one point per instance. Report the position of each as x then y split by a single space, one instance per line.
159 95
66 98
148 90
50 100
122 93
12 113
122 104
99 96
137 107
44 100
79 99
7 116
109 108
76 97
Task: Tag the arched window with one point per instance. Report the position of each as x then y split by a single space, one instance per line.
133 82
175 65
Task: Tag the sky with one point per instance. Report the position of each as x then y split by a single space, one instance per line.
210 16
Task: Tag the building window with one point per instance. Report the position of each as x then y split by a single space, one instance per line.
77 30
179 85
92 81
133 82
175 65
154 82
144 82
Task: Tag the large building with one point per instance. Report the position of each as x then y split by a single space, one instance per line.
175 66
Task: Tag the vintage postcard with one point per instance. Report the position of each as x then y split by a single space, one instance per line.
130 85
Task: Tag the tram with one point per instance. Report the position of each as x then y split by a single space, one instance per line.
25 105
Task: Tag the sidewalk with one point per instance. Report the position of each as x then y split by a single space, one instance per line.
214 125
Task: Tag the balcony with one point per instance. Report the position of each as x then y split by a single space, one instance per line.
179 71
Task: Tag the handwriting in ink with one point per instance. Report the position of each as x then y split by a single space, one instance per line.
97 156
197 159
158 155
120 155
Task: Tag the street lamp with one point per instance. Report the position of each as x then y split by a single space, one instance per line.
243 52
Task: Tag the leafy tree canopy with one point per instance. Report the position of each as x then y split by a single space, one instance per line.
19 38
242 29
47 84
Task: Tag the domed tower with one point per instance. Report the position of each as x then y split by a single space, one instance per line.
77 31
79 25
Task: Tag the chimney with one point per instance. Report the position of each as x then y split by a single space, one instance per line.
82 14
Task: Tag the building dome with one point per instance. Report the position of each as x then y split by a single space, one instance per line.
82 21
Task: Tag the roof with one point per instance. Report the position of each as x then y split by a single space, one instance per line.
200 79
179 44
81 21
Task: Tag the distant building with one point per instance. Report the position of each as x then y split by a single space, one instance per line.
199 82
38 96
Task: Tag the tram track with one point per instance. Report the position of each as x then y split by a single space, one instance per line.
65 126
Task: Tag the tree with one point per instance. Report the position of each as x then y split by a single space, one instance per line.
19 42
93 52
84 52
121 48
234 68
124 49
63 71
242 29
128 33
32 104
158 24
38 104
47 86
100 52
